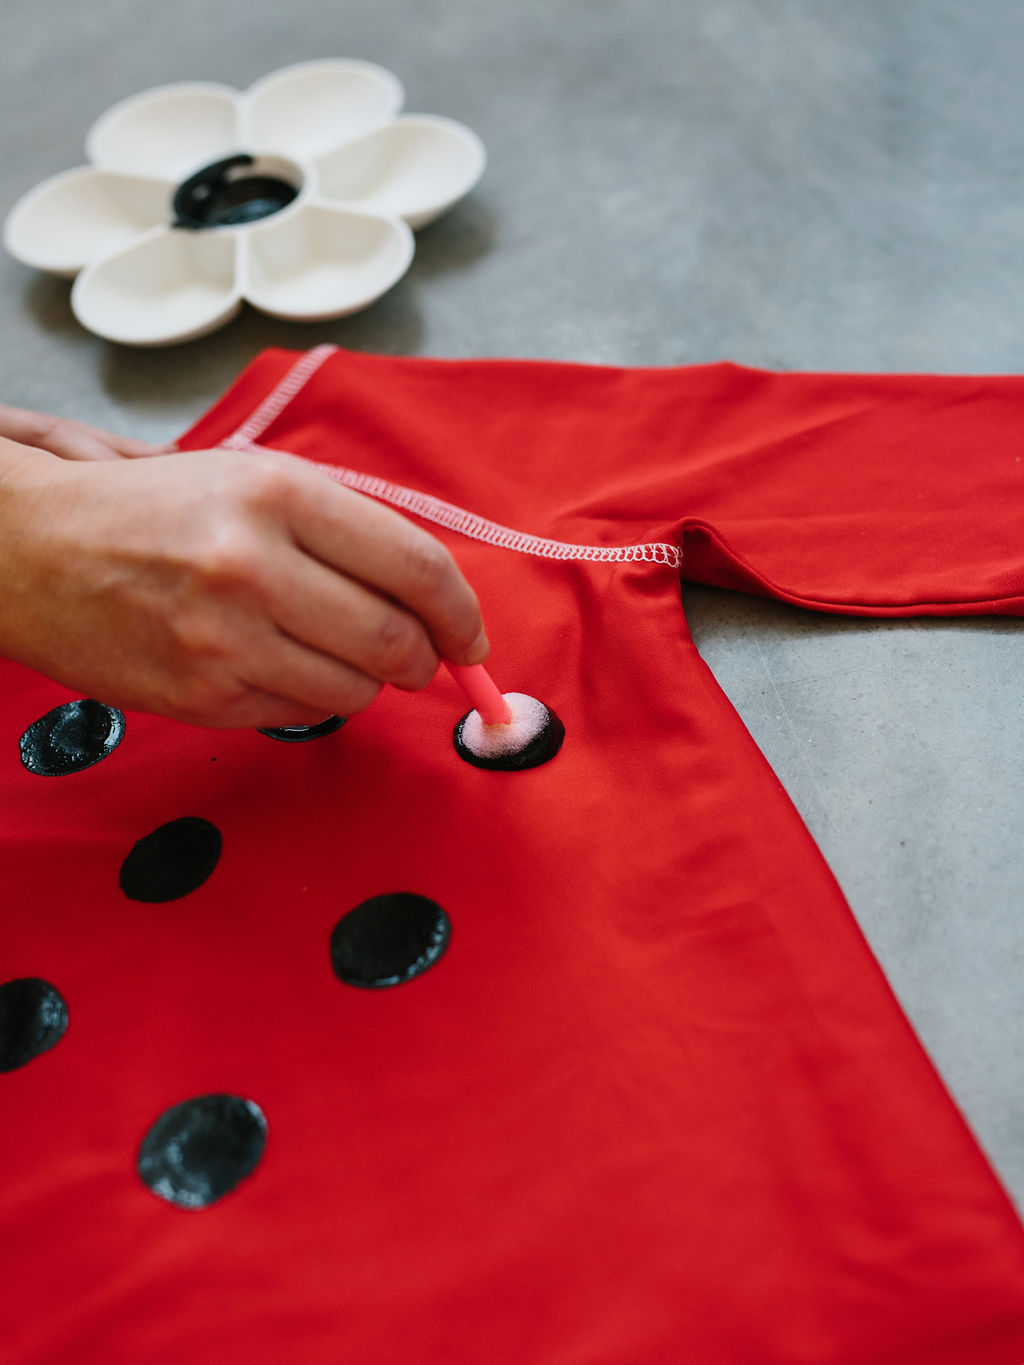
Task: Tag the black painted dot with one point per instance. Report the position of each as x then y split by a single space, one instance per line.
33 1017
71 737
172 861
296 734
540 749
389 939
199 1150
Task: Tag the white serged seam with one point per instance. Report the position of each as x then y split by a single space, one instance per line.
425 505
281 395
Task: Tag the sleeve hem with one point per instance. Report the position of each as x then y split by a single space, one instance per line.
710 559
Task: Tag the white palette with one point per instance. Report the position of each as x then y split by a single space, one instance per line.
328 132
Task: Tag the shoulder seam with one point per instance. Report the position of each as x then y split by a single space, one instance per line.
425 505
466 523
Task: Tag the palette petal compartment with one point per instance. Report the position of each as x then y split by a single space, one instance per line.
299 196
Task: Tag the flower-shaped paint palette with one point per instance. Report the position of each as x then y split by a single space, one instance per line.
298 195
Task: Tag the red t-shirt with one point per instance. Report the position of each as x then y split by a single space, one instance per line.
644 1096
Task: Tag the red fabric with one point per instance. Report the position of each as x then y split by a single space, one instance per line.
656 1102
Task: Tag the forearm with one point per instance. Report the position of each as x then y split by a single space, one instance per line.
28 478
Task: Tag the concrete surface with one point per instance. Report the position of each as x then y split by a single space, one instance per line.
806 184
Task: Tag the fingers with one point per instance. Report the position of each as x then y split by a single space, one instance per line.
392 557
68 439
340 617
130 449
258 676
258 710
310 681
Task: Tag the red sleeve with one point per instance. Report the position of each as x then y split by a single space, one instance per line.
872 494
882 495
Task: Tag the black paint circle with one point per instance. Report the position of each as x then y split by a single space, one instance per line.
71 737
172 861
297 734
199 1150
541 748
389 939
33 1017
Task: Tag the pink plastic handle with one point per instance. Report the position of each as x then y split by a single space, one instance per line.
478 686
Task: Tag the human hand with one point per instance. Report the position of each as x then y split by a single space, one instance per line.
220 588
69 439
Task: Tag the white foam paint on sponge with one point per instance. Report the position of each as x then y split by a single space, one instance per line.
529 719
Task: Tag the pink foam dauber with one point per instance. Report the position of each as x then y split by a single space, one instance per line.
479 687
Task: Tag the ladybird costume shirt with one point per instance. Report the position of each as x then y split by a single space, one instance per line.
331 1047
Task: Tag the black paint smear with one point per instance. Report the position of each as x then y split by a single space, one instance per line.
71 737
389 939
199 1150
540 749
172 861
33 1017
296 734
224 194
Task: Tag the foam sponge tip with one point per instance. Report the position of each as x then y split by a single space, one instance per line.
533 736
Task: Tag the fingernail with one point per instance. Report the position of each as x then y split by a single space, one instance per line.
478 650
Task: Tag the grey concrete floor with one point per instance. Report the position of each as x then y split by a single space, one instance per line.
797 184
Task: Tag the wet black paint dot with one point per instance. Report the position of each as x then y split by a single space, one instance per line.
389 939
295 734
71 737
33 1017
541 747
172 861
199 1150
